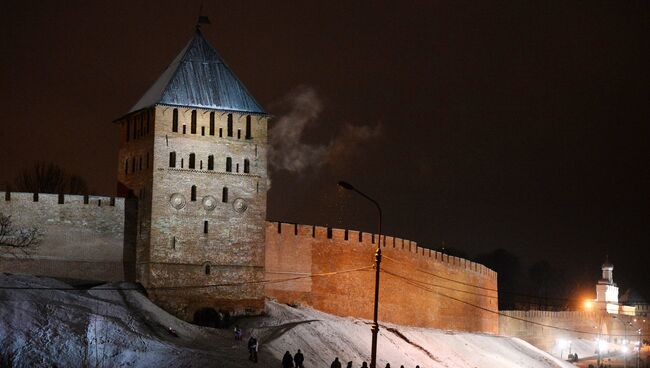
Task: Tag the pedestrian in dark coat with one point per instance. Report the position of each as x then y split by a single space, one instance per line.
364 365
349 365
335 363
252 349
287 360
298 359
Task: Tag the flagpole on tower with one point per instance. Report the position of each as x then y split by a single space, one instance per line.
202 19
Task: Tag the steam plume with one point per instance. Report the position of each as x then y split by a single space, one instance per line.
287 149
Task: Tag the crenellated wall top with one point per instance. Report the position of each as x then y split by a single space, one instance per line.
370 240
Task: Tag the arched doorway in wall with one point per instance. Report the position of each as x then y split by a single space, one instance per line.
210 317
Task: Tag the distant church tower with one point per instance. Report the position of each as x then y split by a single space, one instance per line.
606 289
193 150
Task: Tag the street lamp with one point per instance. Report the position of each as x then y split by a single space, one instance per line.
375 325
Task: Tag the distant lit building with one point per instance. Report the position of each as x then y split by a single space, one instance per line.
607 293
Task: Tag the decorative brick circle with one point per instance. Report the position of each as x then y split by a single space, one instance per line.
209 203
177 201
239 205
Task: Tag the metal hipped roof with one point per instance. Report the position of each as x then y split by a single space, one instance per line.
199 77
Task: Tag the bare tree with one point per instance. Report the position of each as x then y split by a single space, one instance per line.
13 237
49 178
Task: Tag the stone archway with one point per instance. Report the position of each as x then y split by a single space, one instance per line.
207 317
210 317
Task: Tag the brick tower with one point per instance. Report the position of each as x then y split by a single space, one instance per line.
193 151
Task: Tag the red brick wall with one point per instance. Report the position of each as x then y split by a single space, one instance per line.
414 297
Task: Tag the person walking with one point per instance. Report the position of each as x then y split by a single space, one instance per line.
287 360
387 365
299 359
335 363
252 349
349 365
237 332
364 365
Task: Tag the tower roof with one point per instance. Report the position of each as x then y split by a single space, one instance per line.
607 264
199 77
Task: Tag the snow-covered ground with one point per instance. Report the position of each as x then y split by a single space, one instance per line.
121 327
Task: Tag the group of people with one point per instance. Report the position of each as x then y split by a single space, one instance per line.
337 364
295 361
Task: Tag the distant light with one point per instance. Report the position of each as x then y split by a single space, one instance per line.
602 345
588 304
624 349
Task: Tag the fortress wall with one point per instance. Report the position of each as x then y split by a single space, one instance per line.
569 325
79 240
412 291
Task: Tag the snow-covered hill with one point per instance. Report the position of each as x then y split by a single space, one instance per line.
43 323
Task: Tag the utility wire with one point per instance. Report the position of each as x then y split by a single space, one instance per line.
486 288
190 286
414 283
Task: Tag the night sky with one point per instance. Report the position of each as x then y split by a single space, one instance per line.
517 125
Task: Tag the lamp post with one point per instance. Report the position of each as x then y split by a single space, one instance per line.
375 325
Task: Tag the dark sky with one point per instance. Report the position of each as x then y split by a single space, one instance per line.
519 125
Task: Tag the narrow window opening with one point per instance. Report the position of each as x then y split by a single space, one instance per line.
193 122
248 127
173 242
147 160
257 187
238 133
295 229
200 164
99 203
279 227
372 239
229 125
236 167
35 197
360 236
329 233
112 201
175 121
220 132
193 194
86 199
211 162
205 227
140 163
61 198
182 163
228 164
313 231
224 195
202 130
7 196
126 167
345 235
190 164
207 269
212 123
184 128
247 167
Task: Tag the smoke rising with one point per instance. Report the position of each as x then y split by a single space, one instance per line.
288 151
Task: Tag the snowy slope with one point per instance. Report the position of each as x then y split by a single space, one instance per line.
122 328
